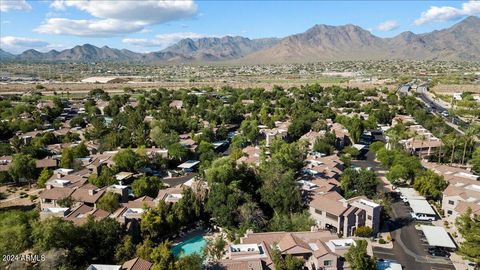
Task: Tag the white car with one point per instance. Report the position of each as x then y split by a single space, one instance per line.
422 217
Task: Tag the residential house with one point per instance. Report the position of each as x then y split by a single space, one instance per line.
280 131
319 250
460 196
312 136
332 211
80 214
251 156
341 133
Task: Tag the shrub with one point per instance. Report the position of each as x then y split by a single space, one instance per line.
389 238
382 241
364 231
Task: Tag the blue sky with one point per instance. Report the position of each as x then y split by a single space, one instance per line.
150 25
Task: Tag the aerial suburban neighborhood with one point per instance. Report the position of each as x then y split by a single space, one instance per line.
239 154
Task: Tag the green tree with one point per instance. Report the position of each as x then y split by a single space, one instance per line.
358 258
287 262
322 146
223 201
469 227
67 158
22 166
279 189
249 129
291 222
190 262
376 146
127 160
162 258
363 231
397 174
53 233
176 151
475 161
147 186
351 151
430 185
80 151
43 177
105 178
189 208
65 202
15 231
162 138
125 250
215 248
109 202
159 222
358 182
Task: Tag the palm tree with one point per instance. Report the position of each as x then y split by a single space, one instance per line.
422 138
468 136
453 150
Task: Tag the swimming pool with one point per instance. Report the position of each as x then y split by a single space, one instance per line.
192 245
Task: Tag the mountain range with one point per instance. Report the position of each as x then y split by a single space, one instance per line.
319 43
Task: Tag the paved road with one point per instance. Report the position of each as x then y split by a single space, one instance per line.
437 107
408 247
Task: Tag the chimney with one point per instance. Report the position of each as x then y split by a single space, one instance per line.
49 186
91 192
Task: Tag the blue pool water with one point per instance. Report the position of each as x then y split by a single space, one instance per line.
192 245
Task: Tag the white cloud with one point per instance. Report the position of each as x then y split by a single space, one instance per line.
116 17
21 41
88 28
9 5
446 13
162 40
387 26
20 44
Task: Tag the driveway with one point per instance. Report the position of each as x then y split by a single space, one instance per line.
408 248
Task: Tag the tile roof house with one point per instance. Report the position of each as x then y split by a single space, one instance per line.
137 264
46 163
280 131
312 136
80 214
331 211
50 196
133 264
171 194
460 196
320 250
341 133
251 156
176 104
88 194
130 213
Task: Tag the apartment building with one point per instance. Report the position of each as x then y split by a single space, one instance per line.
333 212
319 250
458 197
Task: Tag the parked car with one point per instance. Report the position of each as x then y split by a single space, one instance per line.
422 217
438 252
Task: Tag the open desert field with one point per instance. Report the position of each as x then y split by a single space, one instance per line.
18 88
450 89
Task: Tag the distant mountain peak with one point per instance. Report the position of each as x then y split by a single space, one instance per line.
320 42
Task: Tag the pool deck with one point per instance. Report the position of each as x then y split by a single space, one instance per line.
196 232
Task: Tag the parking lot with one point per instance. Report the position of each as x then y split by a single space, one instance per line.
410 247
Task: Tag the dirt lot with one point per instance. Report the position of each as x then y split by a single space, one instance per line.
449 89
12 196
18 88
